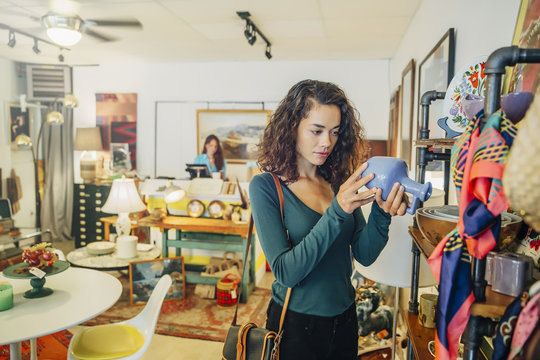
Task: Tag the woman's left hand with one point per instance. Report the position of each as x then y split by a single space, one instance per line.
396 203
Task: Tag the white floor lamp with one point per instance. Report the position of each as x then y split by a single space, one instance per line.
394 265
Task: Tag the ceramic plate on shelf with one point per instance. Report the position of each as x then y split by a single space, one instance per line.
470 79
195 208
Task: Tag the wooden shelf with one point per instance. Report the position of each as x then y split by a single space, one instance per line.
420 336
435 143
423 244
495 303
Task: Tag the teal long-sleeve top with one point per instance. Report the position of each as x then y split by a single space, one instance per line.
317 263
204 160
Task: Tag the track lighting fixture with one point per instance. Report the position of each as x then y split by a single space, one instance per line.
61 58
35 47
11 41
251 31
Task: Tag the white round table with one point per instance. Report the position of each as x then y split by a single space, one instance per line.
79 295
82 258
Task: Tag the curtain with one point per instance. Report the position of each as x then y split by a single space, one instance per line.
57 204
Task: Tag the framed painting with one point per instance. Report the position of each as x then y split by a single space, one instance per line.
435 73
393 123
525 77
19 122
239 131
145 274
407 111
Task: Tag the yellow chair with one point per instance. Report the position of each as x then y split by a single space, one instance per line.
124 340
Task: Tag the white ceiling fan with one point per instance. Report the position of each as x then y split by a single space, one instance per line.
67 30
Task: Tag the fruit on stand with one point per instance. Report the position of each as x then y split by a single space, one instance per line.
40 255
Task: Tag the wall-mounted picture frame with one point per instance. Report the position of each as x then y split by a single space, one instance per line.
145 274
407 112
525 76
19 122
435 72
239 131
393 123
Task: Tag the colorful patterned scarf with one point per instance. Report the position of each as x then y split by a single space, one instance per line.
477 164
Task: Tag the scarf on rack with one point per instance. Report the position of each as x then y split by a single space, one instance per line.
477 164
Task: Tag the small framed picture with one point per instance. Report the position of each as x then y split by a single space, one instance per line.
145 274
19 122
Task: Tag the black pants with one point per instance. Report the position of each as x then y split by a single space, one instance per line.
315 337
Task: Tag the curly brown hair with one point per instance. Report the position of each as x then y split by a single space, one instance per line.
277 149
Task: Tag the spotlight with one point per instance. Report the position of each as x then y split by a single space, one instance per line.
251 31
61 58
35 47
267 52
12 41
252 39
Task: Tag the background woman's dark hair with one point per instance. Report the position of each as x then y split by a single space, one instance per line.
218 156
277 150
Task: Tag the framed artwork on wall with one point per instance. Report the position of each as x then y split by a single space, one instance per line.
407 111
19 122
145 274
116 115
435 73
239 131
525 77
393 123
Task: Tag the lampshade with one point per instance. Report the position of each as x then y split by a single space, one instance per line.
55 117
70 101
88 139
173 193
123 198
23 141
63 30
394 265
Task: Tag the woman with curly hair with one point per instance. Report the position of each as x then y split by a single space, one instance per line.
313 145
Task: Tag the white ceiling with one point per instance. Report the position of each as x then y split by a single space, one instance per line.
210 30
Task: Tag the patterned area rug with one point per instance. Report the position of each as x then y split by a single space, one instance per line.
192 316
52 346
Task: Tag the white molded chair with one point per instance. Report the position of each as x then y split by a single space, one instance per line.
124 340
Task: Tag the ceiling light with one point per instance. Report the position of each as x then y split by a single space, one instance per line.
251 31
35 47
63 30
12 41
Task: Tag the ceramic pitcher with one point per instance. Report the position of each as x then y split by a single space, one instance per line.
388 171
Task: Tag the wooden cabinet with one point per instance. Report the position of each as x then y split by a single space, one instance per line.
87 226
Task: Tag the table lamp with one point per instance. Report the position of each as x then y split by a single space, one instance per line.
123 199
173 193
394 265
88 140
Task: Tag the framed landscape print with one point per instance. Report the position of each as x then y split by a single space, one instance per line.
523 76
239 131
407 111
144 276
435 73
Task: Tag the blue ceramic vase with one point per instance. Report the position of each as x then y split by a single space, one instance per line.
388 171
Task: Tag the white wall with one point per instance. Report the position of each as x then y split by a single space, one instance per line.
365 82
481 26
20 161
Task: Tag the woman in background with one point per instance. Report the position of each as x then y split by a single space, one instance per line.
312 144
212 156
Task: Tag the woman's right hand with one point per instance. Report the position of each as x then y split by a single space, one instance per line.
348 196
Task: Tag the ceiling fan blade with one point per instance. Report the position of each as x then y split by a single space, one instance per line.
99 35
127 23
